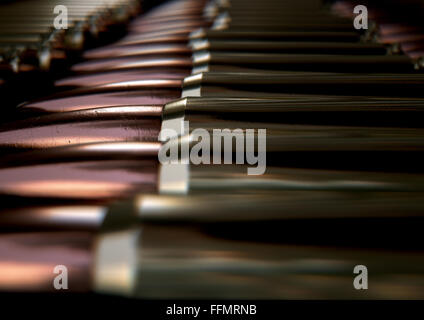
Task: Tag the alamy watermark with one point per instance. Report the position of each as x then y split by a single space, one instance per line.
361 20
61 20
216 147
60 282
360 282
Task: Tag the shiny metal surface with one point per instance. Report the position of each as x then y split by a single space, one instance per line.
276 84
110 124
86 180
181 262
100 100
27 260
81 184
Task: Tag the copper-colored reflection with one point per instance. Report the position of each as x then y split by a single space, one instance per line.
131 63
175 36
83 152
90 80
90 180
133 85
99 100
137 50
176 8
27 260
167 26
77 132
66 217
